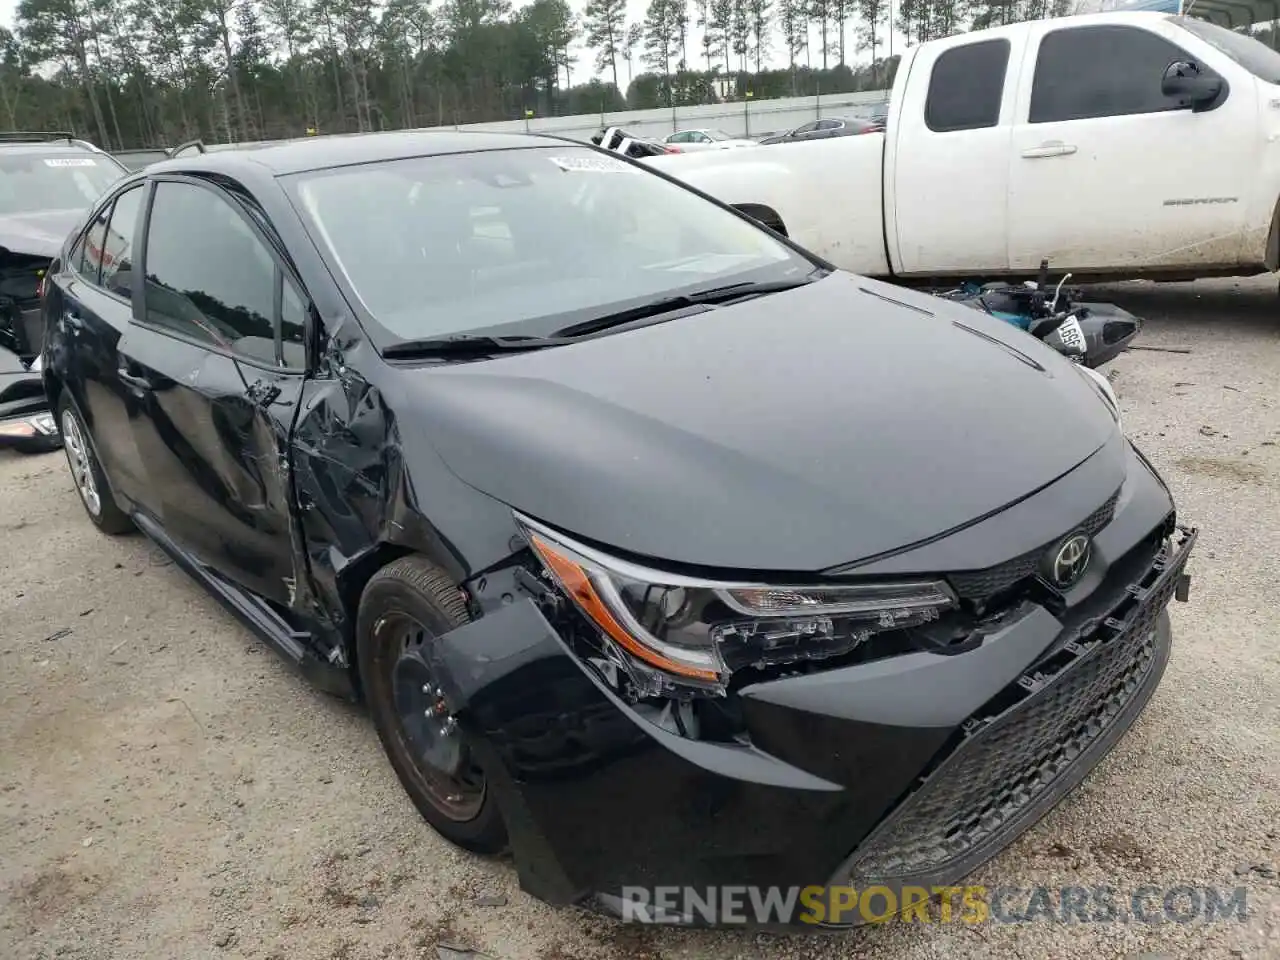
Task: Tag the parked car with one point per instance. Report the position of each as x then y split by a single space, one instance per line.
695 140
879 114
1004 150
617 508
26 425
824 129
47 183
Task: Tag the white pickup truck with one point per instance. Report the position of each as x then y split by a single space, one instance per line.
1114 145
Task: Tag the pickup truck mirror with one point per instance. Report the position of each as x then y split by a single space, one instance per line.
1184 79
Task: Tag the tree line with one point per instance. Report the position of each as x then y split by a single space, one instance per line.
146 73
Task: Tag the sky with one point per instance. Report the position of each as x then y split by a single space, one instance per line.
584 68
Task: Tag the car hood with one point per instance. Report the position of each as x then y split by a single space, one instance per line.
796 431
38 234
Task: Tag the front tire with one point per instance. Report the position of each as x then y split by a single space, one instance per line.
90 481
405 607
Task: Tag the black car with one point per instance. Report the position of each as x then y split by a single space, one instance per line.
661 551
48 181
828 127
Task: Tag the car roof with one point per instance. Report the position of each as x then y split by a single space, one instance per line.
284 157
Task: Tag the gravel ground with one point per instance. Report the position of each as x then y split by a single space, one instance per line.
168 789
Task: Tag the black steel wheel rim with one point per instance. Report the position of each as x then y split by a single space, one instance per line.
428 734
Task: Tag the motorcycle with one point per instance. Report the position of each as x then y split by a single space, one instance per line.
1087 333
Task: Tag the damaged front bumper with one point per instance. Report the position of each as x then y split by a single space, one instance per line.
904 772
25 420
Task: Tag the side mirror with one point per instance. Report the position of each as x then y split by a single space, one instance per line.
1185 80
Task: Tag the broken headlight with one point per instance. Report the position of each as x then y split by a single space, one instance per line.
700 631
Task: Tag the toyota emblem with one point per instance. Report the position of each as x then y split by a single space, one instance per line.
1070 561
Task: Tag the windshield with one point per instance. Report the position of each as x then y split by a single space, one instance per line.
524 241
32 182
1254 56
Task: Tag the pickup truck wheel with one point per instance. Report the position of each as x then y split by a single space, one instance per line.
405 606
87 473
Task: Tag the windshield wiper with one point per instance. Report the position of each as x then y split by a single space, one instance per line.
466 346
655 308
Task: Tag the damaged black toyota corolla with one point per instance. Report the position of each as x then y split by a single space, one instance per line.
661 551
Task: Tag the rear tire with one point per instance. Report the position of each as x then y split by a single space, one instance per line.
405 606
86 472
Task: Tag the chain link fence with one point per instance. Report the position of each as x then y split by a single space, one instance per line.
748 118
752 119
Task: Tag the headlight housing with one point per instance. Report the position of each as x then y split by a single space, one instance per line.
697 632
1103 386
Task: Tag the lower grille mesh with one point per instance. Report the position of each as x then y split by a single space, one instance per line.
1010 757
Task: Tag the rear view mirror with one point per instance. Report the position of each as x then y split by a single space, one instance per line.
1185 80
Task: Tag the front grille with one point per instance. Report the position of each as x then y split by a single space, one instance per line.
1016 749
979 585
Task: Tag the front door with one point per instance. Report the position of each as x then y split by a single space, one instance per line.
1107 172
216 357
949 164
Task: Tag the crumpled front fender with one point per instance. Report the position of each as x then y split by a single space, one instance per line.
594 795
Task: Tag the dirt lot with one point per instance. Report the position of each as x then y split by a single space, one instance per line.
169 790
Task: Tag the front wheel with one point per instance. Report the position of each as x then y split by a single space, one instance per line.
87 473
405 607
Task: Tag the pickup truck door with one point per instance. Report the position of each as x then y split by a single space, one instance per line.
1107 172
947 169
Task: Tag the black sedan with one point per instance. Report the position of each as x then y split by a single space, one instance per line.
661 552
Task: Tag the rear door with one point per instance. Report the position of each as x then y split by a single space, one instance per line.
1107 172
947 168
216 357
89 308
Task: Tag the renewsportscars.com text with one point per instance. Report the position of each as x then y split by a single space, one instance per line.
1146 904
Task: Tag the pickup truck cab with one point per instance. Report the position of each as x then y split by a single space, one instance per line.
1115 145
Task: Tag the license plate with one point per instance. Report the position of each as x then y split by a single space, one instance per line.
1071 335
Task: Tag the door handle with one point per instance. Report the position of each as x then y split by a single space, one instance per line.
1050 148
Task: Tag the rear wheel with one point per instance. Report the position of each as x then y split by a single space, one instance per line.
406 606
87 473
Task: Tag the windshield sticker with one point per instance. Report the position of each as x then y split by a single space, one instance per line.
592 165
70 162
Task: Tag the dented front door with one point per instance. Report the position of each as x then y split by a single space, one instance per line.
215 360
213 436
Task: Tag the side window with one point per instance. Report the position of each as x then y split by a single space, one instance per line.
678 138
809 127
207 273
75 259
95 241
1105 71
293 320
966 87
117 254
830 124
